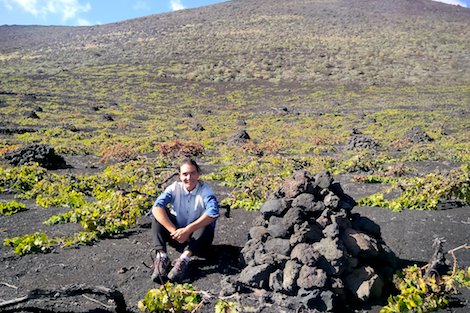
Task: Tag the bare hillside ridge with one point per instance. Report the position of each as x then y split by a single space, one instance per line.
339 41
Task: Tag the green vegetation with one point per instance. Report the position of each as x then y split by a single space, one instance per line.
170 297
224 306
252 180
422 193
115 199
11 207
34 243
22 178
425 294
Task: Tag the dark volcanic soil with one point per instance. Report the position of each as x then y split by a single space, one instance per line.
118 263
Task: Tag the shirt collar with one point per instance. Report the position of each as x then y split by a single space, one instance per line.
192 192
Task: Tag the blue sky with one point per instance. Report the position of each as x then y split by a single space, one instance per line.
92 12
87 12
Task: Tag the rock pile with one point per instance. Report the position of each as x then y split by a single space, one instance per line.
198 128
417 135
241 137
359 140
31 114
44 155
310 250
10 129
107 118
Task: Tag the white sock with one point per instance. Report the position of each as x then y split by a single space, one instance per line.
162 255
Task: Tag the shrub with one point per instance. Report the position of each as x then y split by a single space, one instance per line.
170 297
11 207
37 242
117 153
418 293
178 148
421 193
266 148
21 178
8 149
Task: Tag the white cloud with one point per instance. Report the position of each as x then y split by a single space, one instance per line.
83 22
141 5
8 6
67 9
454 2
176 5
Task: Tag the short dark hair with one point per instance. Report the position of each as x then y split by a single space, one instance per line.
189 161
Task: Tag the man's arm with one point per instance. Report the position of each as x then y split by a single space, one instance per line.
162 217
201 222
182 234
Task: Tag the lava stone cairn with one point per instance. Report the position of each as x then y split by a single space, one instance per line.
359 140
44 155
311 251
417 135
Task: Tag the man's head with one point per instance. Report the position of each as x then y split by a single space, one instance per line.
189 172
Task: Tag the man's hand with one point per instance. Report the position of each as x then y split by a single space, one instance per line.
181 235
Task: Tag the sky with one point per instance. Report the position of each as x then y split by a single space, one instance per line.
95 12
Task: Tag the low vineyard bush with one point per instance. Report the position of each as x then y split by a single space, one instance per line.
421 193
418 293
11 207
104 205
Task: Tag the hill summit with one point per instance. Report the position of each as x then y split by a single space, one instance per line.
326 41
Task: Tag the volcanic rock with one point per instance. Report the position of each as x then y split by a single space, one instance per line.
241 137
359 140
44 155
310 250
31 114
107 118
198 127
417 135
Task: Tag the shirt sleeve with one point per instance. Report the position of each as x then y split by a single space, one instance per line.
166 197
211 204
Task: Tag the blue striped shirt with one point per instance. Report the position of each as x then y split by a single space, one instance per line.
188 206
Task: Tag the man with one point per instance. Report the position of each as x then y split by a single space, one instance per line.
187 225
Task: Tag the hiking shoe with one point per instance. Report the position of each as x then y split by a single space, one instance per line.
160 268
178 272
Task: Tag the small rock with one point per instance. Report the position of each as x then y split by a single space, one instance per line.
31 114
364 283
305 253
275 280
311 277
275 207
256 276
241 137
291 274
107 117
259 233
277 228
324 180
360 244
198 127
278 245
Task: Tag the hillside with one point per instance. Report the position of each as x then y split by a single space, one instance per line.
376 93
337 41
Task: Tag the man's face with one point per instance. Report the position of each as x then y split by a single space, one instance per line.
189 176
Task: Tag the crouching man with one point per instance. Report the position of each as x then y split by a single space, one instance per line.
184 216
